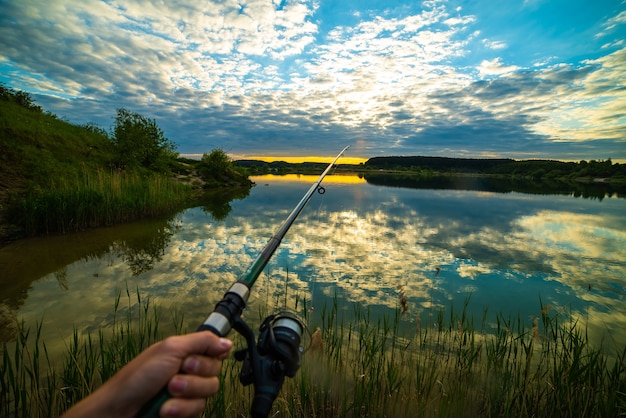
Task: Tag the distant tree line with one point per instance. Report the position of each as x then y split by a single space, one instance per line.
528 169
498 184
535 169
257 167
465 165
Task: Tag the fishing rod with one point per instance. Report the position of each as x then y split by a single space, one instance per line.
277 353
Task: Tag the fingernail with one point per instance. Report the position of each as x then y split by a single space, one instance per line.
225 343
178 385
171 411
191 365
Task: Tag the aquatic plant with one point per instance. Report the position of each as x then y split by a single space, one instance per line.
356 365
96 199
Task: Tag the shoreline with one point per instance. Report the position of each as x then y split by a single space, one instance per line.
11 233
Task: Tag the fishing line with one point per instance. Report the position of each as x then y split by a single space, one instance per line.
267 362
319 208
322 191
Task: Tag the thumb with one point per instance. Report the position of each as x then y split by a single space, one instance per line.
215 346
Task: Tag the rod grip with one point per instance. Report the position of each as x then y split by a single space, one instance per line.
152 408
219 323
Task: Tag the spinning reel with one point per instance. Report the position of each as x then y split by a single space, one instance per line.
277 354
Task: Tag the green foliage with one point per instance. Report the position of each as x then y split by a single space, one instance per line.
531 169
96 199
215 161
38 149
217 168
139 142
94 128
59 177
20 98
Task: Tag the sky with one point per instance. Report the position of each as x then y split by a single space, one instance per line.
520 79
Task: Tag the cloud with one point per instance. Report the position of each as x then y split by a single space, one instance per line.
494 44
495 67
611 24
259 78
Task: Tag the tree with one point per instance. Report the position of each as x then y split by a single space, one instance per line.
217 161
19 97
217 169
95 129
139 141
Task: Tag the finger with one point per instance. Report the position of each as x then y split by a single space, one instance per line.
202 365
190 386
203 342
182 408
219 348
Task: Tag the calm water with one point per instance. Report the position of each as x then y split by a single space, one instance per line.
358 242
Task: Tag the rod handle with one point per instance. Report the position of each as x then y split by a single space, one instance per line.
152 408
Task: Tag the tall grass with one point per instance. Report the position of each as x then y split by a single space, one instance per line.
360 365
453 366
32 384
96 198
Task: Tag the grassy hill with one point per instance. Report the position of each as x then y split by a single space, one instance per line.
57 177
39 152
38 149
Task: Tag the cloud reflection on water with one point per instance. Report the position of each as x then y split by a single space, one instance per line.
362 243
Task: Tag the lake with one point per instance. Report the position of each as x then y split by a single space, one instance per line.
368 241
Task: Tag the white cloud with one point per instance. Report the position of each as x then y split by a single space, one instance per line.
612 24
259 68
614 44
495 67
471 271
496 45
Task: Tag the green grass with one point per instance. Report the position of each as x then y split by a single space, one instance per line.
95 199
32 384
362 366
38 148
58 177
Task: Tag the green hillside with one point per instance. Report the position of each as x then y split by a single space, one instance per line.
57 177
39 150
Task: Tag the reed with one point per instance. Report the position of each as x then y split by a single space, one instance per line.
96 198
383 366
359 365
35 385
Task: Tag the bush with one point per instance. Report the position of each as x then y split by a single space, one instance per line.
217 169
140 142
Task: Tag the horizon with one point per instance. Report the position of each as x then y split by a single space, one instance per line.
359 160
524 79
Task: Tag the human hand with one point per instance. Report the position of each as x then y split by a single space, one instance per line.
187 364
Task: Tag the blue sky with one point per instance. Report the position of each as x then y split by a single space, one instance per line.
476 78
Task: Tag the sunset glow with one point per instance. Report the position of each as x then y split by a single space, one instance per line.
308 159
306 178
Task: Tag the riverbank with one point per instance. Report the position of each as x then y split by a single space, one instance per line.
447 366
